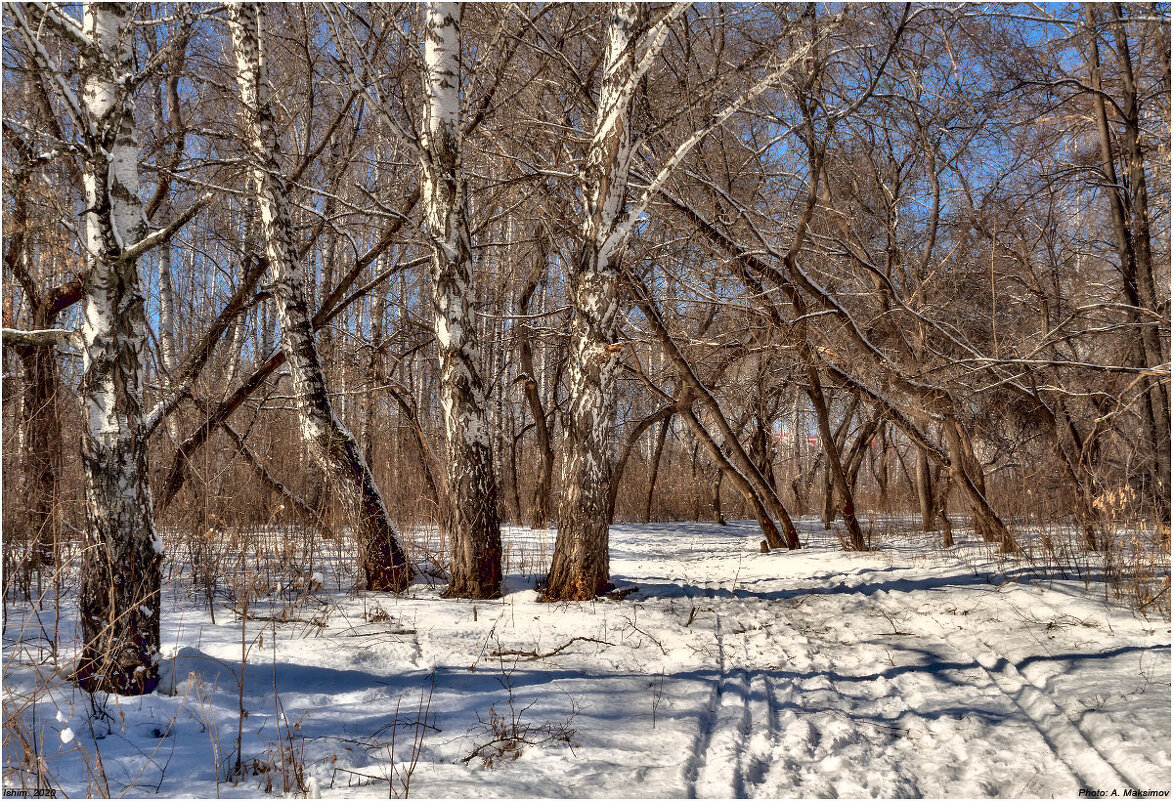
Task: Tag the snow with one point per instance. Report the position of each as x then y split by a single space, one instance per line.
904 671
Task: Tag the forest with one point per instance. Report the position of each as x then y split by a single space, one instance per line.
335 320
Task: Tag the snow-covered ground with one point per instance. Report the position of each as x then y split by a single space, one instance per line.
906 671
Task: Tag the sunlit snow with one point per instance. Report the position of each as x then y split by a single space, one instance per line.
724 672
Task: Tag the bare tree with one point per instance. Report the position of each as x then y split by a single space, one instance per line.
120 581
580 569
469 518
383 562
919 244
1131 224
540 505
40 412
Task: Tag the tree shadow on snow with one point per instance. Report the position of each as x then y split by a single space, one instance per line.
836 584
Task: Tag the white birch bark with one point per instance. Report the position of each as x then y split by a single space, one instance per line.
120 581
332 446
166 309
470 520
580 567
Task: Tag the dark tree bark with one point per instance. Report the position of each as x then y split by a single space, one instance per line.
881 472
942 512
761 448
1128 202
966 470
924 492
540 508
663 414
838 477
859 449
828 514
659 452
715 499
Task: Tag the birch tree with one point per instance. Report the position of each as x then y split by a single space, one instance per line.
580 567
470 518
333 447
580 564
122 559
122 552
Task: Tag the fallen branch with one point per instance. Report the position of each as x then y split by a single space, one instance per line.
282 618
548 654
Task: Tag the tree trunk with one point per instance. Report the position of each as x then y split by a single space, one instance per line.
663 414
715 498
881 472
761 449
540 509
166 309
1128 203
375 374
924 492
471 523
581 563
1076 469
855 539
514 478
660 439
167 349
121 562
796 480
828 514
859 449
965 471
333 447
942 512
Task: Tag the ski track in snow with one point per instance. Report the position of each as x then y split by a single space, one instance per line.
1071 745
737 742
899 673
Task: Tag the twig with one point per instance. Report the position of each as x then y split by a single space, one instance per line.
558 650
273 618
